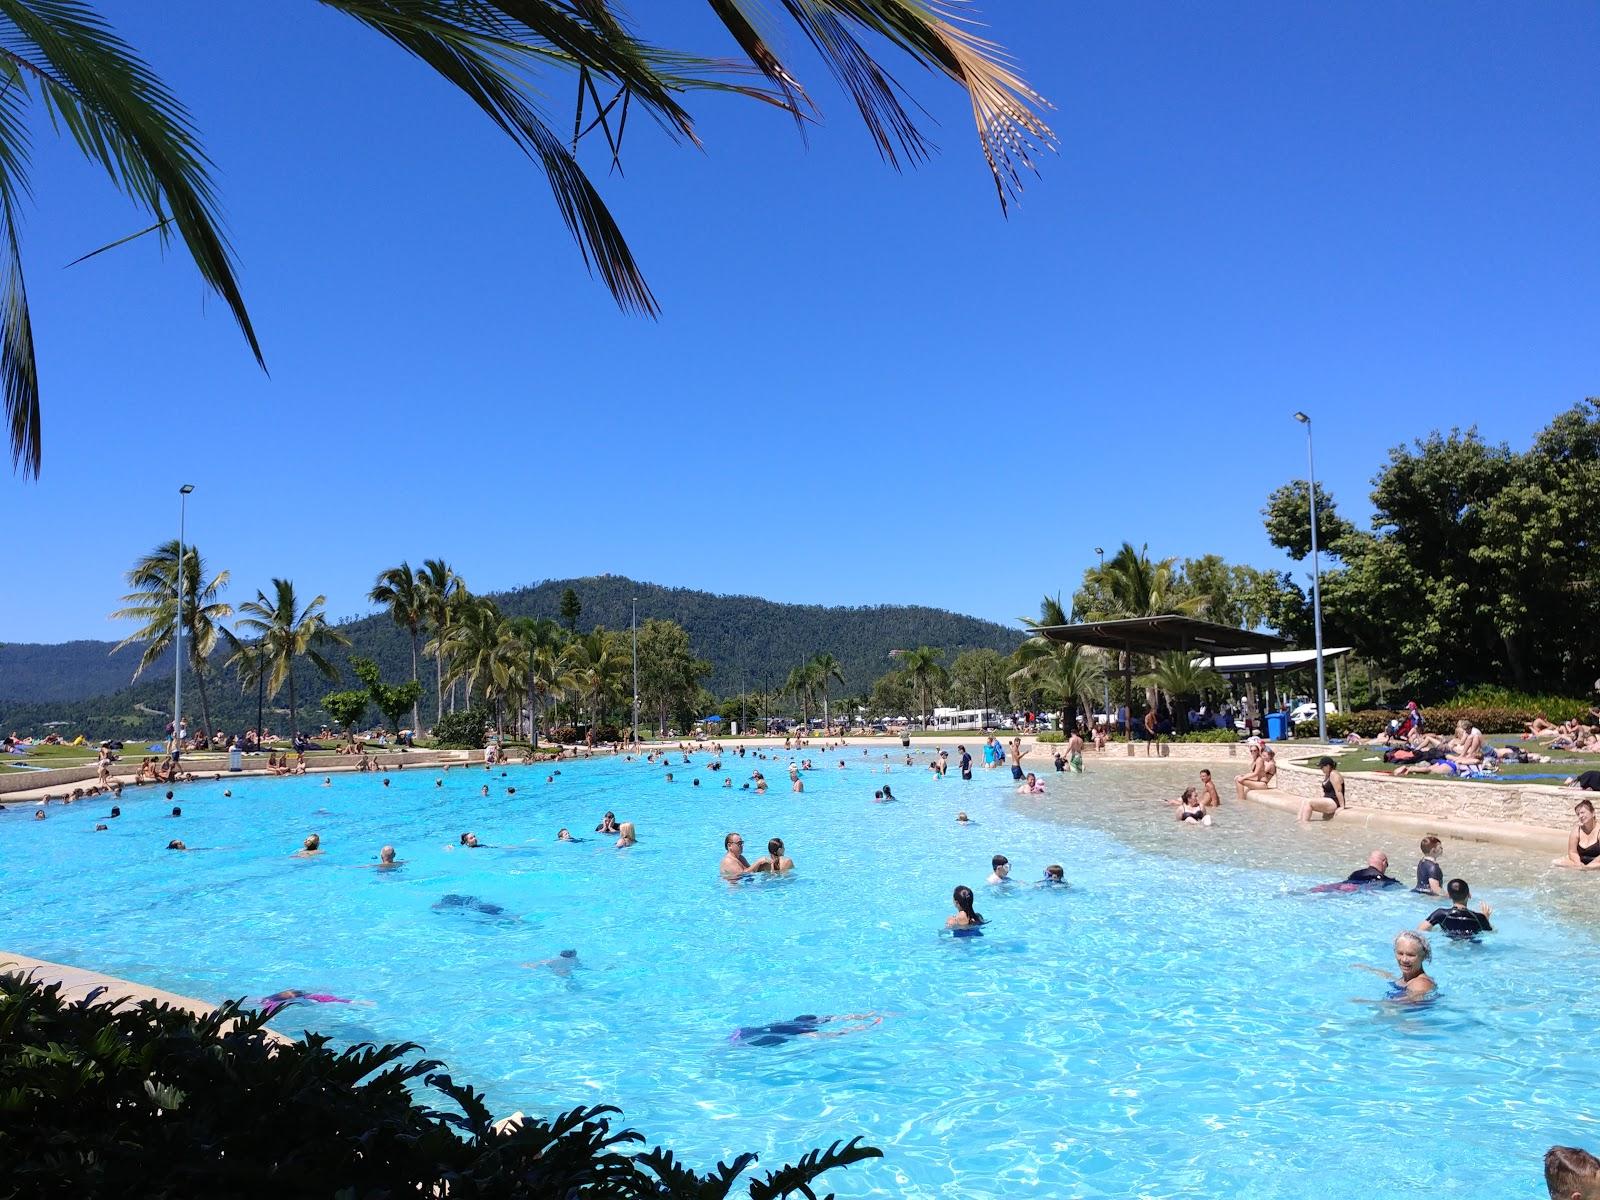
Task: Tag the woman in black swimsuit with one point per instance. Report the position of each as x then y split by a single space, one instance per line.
1332 798
1583 847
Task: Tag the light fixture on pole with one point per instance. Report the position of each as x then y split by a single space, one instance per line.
1316 583
177 624
636 670
1101 551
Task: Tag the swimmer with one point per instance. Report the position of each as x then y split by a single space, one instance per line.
102 827
115 811
438 783
966 918
313 846
963 819
561 965
888 794
734 863
470 841
385 781
695 783
805 1025
727 781
288 996
176 811
799 785
669 776
1411 953
565 835
608 824
327 781
775 862
485 792
1208 790
1430 876
1031 786
1190 809
176 845
38 814
1458 921
386 859
628 837
1374 875
1054 876
1002 870
227 793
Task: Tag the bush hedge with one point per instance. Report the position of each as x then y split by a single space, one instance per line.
152 1101
1204 735
463 730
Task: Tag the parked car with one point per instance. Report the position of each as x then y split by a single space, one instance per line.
1308 711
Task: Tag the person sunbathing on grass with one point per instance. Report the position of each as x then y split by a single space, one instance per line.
1457 770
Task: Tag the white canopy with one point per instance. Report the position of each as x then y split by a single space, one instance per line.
1281 660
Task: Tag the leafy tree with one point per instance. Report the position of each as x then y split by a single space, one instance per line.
1478 563
923 668
1234 594
1064 677
669 673
483 651
154 601
571 609
288 632
463 730
825 667
802 685
1131 584
1288 519
391 700
500 54
601 662
346 708
977 677
402 592
543 658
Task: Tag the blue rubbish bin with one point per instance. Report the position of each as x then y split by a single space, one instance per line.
1277 727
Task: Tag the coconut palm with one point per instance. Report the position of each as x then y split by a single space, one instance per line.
802 685
1136 586
439 591
286 631
1181 678
484 651
402 592
153 601
601 665
1064 677
826 667
923 668
500 54
543 657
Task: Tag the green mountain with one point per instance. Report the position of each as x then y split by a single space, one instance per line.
750 642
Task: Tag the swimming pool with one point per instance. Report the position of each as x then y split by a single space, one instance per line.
1177 1023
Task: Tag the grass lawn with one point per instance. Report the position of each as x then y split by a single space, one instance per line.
1369 759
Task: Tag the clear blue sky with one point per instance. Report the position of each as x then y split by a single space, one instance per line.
865 387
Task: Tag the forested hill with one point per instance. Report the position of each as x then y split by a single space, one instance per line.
749 642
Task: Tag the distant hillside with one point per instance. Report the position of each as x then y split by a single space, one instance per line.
749 642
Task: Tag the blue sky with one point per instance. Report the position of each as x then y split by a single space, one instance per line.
865 387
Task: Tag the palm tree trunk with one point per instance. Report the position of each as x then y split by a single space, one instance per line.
293 720
438 670
416 720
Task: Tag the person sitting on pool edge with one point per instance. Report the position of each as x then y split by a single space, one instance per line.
1583 845
967 919
775 862
734 862
1332 798
1458 921
1571 1173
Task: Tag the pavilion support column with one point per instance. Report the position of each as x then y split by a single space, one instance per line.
1272 693
1127 675
1338 681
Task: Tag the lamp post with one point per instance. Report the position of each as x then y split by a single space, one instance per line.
1101 551
177 671
1316 583
636 670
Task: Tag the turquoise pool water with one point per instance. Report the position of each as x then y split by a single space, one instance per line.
1180 1022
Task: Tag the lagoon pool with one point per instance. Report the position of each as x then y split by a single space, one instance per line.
1182 1021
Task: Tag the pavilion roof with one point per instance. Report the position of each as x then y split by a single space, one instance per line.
1152 635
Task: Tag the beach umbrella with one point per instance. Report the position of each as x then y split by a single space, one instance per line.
711 720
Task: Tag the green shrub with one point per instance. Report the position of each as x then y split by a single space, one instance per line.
1204 735
151 1101
1552 708
463 730
565 734
1047 739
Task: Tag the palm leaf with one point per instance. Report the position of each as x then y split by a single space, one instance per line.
798 1177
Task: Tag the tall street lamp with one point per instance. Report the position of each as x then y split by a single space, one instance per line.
1101 551
177 671
636 670
1316 583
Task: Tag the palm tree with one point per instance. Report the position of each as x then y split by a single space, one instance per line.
543 658
500 54
484 651
153 600
1137 587
922 667
601 666
1181 678
826 667
401 591
1065 677
439 591
802 685
285 631
249 662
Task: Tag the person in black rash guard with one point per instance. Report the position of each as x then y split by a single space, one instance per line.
1430 877
1459 921
1375 873
966 763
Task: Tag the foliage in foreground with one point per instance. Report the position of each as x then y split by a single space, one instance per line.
151 1101
463 730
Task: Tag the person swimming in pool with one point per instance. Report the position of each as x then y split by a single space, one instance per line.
1373 876
1458 921
561 965
1030 786
1583 844
608 824
386 859
966 920
963 819
312 847
1411 954
565 835
1001 873
734 863
271 1004
805 1025
1054 876
775 861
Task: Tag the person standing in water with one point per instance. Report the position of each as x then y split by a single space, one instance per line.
775 861
734 863
1411 954
1075 752
967 919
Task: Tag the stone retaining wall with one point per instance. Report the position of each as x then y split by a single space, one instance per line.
1440 800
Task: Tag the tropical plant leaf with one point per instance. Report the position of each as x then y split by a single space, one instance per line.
798 1177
